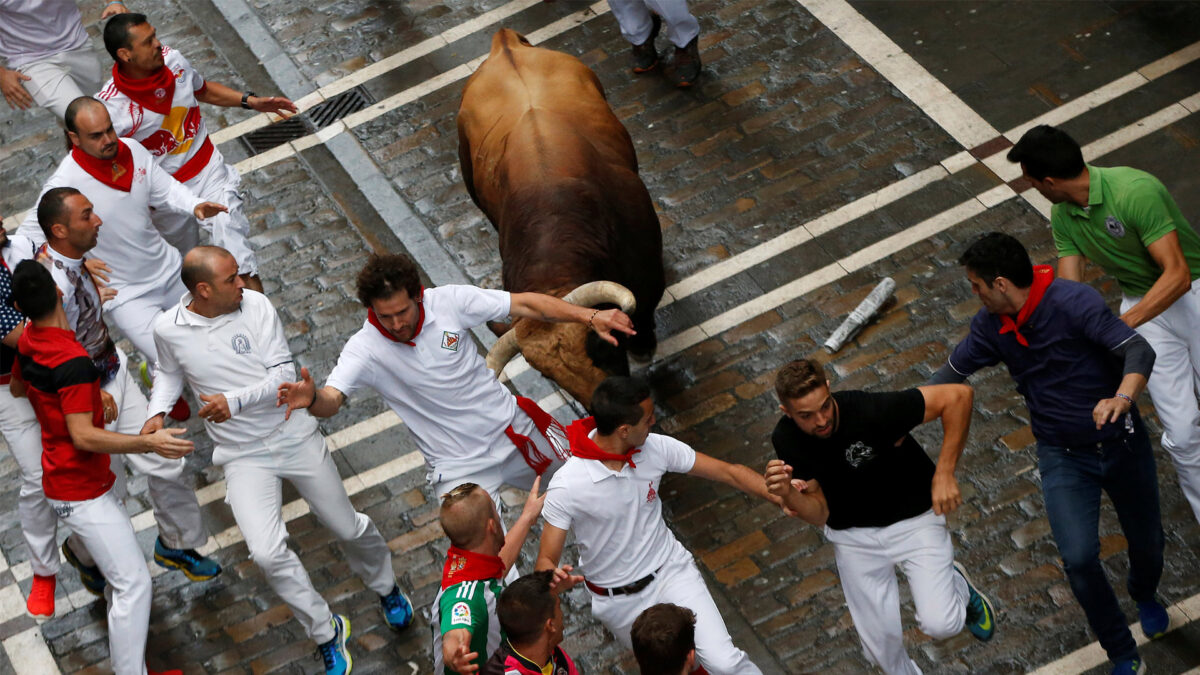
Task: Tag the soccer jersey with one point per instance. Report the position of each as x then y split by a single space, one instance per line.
175 135
470 605
1127 211
438 382
617 515
31 30
142 262
63 380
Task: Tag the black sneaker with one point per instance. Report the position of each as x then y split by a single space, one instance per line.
687 64
645 55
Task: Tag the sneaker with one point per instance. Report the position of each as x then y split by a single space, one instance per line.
333 653
397 610
40 603
687 64
645 55
1154 619
1131 667
181 411
981 616
91 576
193 565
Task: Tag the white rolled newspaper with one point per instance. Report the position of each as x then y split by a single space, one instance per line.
861 315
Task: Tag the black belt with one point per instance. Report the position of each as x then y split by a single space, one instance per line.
628 589
1099 446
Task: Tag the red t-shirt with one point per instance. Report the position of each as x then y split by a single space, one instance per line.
62 380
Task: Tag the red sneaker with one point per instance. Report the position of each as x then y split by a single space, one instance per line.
164 672
40 603
181 411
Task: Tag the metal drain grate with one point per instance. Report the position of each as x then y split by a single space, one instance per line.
318 117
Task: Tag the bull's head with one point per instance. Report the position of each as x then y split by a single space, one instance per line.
568 353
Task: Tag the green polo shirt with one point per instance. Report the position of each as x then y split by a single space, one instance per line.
1127 211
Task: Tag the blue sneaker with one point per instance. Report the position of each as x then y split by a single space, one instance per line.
1132 667
1154 619
397 610
981 617
91 576
195 566
333 653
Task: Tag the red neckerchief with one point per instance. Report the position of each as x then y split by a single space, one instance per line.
116 173
585 448
374 321
154 92
1042 276
467 566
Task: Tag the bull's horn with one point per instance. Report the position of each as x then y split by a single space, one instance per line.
596 292
505 350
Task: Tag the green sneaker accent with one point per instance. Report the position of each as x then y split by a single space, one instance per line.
981 615
144 371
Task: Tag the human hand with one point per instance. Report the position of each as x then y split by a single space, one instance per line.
946 497
563 580
113 9
215 408
1110 410
98 269
778 477
208 210
166 443
534 502
297 395
14 93
152 425
110 406
461 660
272 104
604 322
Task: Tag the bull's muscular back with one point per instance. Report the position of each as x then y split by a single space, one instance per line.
555 172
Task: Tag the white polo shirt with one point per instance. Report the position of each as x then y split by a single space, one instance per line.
440 385
617 515
142 261
229 354
174 138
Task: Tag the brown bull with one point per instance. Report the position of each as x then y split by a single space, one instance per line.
555 172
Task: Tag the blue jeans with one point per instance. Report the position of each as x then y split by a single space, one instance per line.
1072 479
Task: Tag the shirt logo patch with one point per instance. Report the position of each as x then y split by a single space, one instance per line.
1115 227
460 614
450 341
651 494
160 93
859 453
63 510
241 344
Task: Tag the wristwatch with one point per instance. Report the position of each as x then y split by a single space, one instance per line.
246 99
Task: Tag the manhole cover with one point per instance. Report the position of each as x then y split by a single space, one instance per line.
298 126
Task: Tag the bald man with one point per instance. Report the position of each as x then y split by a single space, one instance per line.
465 628
227 343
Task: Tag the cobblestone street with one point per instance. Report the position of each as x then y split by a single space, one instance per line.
827 145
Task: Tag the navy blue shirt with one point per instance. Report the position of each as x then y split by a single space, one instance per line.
10 318
1068 367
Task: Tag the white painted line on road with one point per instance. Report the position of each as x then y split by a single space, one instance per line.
1092 655
881 53
28 653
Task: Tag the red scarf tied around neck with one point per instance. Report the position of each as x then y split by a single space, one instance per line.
585 448
1042 276
152 93
462 565
116 173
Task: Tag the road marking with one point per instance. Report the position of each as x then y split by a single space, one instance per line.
1092 655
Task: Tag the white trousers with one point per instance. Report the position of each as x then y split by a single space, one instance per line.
39 524
679 583
220 183
105 530
866 560
1175 336
135 317
633 16
172 494
254 493
60 78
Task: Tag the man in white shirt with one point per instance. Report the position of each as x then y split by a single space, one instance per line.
71 227
629 557
415 350
48 60
228 345
122 181
154 97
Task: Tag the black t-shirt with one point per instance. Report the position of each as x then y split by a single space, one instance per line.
873 473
